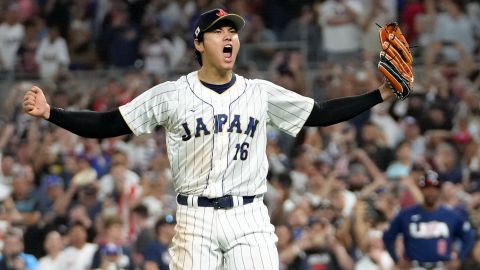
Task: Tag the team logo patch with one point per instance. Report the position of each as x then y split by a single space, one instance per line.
220 12
197 31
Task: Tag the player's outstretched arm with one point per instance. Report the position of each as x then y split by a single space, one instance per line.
83 123
341 109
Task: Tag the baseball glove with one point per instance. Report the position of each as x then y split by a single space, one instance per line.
396 60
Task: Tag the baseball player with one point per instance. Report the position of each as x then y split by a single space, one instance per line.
429 231
215 122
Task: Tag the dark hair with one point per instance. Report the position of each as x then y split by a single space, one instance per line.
141 210
77 224
197 54
164 220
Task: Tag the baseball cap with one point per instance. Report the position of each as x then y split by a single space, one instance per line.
210 18
52 180
429 179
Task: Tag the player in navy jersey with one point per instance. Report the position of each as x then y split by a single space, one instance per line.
429 231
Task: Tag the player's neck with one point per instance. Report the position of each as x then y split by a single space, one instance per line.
214 76
430 208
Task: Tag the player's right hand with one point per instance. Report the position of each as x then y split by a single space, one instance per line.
35 103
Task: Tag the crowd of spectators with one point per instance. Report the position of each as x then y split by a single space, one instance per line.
74 203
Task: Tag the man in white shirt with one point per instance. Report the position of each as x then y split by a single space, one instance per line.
12 33
79 255
339 20
54 246
52 54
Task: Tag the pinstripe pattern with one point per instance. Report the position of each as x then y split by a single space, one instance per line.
216 146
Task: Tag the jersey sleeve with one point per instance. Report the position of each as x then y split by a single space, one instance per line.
286 109
149 110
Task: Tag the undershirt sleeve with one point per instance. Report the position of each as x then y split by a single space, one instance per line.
90 124
341 109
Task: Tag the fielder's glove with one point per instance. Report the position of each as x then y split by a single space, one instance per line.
396 60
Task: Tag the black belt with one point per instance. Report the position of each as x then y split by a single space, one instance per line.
224 202
429 265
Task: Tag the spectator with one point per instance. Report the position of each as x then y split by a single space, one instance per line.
78 254
339 21
304 28
453 32
373 141
375 257
412 134
120 39
141 233
445 162
424 24
429 231
120 177
80 37
320 249
285 246
52 185
12 33
53 246
156 198
28 49
113 250
400 167
13 255
156 252
155 49
52 55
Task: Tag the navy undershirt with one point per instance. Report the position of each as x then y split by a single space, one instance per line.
220 88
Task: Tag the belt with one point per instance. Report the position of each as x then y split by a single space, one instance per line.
225 202
429 265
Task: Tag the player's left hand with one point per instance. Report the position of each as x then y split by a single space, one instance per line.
396 60
453 264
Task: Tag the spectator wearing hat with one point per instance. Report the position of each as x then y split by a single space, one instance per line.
429 231
53 187
156 252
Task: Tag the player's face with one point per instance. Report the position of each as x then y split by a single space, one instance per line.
430 195
220 47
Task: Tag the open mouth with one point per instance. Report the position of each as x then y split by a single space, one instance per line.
227 51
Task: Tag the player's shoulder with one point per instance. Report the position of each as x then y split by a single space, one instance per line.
262 84
169 86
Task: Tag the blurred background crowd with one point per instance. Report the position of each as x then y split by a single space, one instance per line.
73 203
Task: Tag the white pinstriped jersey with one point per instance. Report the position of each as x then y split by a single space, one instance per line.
216 142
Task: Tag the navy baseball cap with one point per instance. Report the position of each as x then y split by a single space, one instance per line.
210 18
429 179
